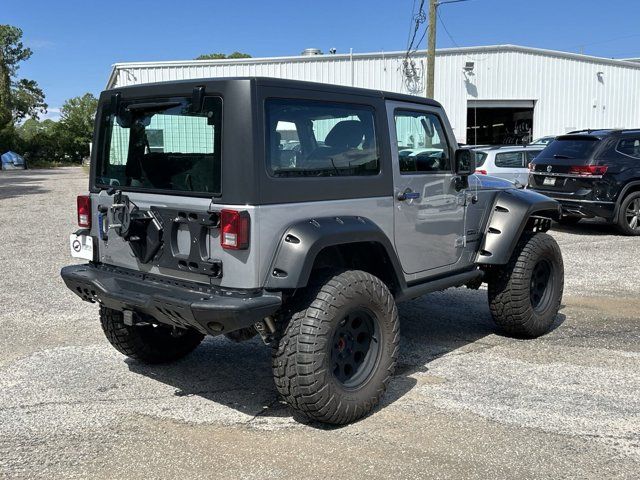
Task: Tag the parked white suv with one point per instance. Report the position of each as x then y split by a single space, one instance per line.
510 163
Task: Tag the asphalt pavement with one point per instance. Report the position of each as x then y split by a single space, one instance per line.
466 402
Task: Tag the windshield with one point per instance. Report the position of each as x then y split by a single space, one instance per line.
568 148
162 145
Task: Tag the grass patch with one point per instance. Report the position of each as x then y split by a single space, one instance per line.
49 164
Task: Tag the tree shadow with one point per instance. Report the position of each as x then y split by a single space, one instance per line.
239 375
17 183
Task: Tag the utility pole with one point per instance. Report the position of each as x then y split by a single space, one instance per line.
431 42
431 47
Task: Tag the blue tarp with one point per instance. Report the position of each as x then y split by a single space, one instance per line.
12 160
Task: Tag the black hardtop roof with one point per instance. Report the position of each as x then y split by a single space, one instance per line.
275 82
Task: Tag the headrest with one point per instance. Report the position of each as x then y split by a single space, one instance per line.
345 134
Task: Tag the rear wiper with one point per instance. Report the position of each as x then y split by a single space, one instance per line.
561 156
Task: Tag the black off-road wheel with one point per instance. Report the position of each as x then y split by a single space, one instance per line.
338 348
629 215
525 294
147 343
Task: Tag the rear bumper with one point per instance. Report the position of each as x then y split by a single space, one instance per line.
184 304
581 206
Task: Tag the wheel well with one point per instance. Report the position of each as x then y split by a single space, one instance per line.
370 257
540 221
632 189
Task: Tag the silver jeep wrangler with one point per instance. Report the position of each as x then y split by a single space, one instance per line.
303 213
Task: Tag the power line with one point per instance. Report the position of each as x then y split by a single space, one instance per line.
446 30
413 8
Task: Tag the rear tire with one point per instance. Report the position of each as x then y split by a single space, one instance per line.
338 348
148 343
525 294
629 215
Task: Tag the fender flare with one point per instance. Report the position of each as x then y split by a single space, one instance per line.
512 210
623 193
302 241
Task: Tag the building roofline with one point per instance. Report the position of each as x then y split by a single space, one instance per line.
347 56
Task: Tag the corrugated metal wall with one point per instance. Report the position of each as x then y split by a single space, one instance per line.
569 91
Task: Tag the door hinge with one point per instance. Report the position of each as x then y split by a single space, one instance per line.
461 242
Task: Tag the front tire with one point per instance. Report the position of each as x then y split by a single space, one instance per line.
525 294
338 349
629 216
147 343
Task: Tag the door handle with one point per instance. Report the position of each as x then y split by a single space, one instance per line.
408 194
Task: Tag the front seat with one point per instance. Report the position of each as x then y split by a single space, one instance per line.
344 135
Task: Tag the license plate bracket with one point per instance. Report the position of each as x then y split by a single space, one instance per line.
81 246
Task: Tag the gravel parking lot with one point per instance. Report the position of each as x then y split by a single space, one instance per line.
465 402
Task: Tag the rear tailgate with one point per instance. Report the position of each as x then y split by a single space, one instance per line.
566 167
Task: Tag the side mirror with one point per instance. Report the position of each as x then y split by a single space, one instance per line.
465 162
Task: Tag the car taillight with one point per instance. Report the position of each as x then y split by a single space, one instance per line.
481 172
84 211
588 170
234 230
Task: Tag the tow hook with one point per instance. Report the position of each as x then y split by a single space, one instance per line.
267 329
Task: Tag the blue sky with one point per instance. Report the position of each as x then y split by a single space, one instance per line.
75 42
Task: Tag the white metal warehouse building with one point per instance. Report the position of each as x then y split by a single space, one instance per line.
492 94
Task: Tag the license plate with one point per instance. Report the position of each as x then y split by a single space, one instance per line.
81 246
549 181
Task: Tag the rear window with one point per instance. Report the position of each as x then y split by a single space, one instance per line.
320 139
567 147
481 157
162 145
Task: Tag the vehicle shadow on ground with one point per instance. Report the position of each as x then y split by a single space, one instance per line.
587 227
17 183
238 375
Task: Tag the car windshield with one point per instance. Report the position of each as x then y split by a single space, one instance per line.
570 147
165 144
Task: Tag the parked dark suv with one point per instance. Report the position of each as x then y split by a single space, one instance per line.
593 173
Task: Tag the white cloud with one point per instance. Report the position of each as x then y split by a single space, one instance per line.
40 44
52 114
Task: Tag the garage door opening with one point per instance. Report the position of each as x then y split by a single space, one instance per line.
491 122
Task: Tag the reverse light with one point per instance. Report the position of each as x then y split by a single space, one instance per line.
84 211
588 170
481 172
234 229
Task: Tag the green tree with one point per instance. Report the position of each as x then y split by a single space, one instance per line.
75 128
38 141
19 98
222 56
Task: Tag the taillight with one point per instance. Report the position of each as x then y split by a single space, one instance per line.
84 211
481 172
588 170
234 230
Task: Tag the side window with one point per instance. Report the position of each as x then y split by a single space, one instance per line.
530 156
320 139
629 146
422 143
509 160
